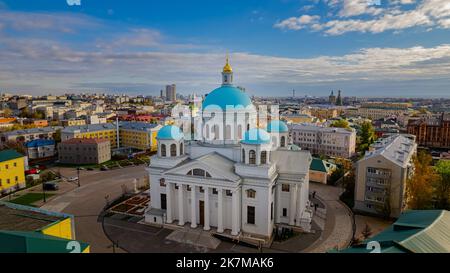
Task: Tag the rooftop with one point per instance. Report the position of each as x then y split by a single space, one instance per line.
85 141
9 155
311 127
21 218
396 148
89 128
137 126
43 130
39 143
416 231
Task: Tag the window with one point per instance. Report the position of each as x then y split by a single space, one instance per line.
163 150
284 212
6 166
263 157
162 182
240 131
243 155
17 178
181 148
199 172
215 191
251 193
283 141
228 132
188 188
173 150
285 187
202 190
252 157
250 215
15 164
229 193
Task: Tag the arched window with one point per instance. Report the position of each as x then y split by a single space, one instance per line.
199 172
248 127
216 132
283 141
173 150
228 132
243 155
263 157
240 131
163 150
181 148
162 182
252 157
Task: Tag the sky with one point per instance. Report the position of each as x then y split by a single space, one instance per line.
370 48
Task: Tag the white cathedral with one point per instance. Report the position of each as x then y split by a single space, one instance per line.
234 178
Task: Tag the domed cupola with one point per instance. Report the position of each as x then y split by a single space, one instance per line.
227 112
279 133
255 147
170 141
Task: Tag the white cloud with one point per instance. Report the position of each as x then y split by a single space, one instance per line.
357 16
297 23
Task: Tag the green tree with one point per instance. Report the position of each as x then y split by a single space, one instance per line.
419 188
341 123
367 136
442 187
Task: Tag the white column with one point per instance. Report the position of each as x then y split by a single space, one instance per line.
299 203
234 214
293 205
169 218
278 211
193 208
220 211
206 208
180 205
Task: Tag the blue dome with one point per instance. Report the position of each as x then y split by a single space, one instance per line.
170 132
256 136
227 95
277 126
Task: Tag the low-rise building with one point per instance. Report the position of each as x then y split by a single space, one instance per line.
83 151
320 170
379 110
72 122
381 176
40 148
139 135
12 171
99 131
335 142
32 230
6 123
26 135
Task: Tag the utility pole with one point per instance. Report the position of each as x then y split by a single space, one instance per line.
78 170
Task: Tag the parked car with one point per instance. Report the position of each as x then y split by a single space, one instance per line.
50 186
104 168
32 171
90 169
72 179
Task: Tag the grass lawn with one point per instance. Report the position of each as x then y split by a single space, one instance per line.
29 198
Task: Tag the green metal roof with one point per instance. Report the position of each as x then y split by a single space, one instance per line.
416 231
9 155
34 242
318 165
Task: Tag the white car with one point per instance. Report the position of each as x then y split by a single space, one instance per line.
72 179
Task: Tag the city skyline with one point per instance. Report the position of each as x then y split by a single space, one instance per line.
398 48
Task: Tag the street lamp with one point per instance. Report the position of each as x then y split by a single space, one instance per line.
78 170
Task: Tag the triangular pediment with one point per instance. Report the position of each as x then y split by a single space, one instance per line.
214 165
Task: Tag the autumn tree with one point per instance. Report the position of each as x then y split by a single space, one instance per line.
442 186
420 187
341 123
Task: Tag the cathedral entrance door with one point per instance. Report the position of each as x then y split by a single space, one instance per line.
202 212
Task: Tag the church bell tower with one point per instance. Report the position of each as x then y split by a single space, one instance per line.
227 74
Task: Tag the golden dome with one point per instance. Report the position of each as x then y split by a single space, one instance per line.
227 68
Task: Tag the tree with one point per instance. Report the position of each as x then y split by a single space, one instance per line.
341 123
367 136
419 188
442 186
7 112
17 146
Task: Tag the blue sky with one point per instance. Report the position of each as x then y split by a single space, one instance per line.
397 48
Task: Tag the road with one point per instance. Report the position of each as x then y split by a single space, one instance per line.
88 201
